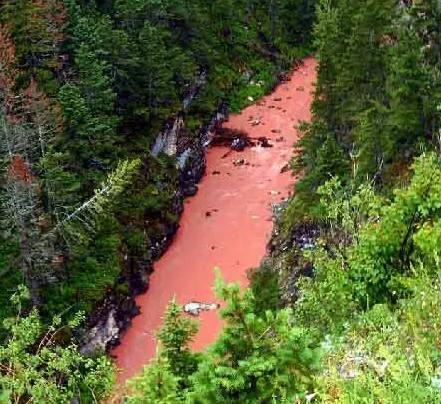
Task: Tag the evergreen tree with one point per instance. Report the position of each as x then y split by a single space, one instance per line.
375 95
175 336
156 385
256 359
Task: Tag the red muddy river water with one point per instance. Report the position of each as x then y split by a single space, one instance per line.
227 224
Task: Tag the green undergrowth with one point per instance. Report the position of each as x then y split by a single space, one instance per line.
372 302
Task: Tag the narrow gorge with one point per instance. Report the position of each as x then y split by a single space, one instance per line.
228 223
224 201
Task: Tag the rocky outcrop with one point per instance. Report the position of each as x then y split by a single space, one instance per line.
167 141
101 335
114 314
285 256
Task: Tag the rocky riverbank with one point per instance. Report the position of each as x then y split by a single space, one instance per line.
114 314
228 223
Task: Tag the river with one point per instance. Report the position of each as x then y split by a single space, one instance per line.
227 224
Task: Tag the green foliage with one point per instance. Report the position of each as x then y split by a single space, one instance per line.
90 274
247 91
256 358
87 105
36 367
166 379
323 159
372 298
386 249
157 384
326 301
344 211
265 287
174 336
375 100
75 225
389 355
374 295
371 245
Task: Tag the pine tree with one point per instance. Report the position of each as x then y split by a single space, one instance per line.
158 73
424 18
256 359
175 337
156 385
88 102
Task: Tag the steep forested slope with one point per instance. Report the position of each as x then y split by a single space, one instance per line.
89 193
357 254
378 89
85 90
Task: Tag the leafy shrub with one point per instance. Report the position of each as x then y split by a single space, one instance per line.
36 366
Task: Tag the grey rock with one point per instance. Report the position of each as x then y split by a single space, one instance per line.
238 144
99 337
190 190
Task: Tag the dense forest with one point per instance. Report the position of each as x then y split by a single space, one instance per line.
86 88
89 198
